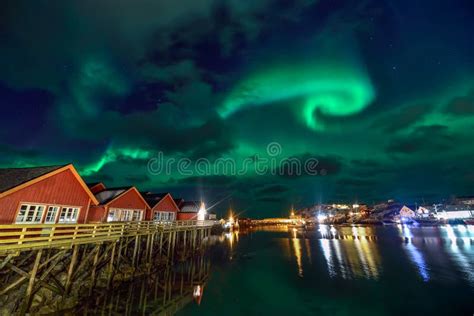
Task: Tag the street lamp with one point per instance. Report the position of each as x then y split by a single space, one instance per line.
201 215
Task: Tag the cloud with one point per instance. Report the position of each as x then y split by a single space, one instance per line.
273 189
402 117
461 105
296 166
271 199
423 139
137 179
216 180
356 182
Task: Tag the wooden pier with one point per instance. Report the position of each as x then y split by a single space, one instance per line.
50 263
162 293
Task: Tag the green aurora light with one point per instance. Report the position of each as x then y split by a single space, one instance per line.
111 155
333 89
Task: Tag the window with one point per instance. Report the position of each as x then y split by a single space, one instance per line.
30 214
137 215
51 214
124 215
114 215
127 215
164 216
68 215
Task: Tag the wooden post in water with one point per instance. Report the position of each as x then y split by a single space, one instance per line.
31 283
111 266
135 249
173 247
169 245
70 271
94 267
194 238
184 243
161 242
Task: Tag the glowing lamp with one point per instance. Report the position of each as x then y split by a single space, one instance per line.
201 215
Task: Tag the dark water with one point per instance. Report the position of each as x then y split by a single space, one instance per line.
341 271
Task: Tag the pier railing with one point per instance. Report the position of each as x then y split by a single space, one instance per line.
18 237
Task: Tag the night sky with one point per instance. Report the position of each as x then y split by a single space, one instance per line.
380 92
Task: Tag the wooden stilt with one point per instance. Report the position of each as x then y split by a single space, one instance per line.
31 283
70 271
111 271
94 268
161 242
135 249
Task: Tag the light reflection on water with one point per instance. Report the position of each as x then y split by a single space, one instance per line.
342 270
413 253
349 255
353 252
296 243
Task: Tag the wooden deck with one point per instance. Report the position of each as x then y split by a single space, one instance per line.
65 258
20 237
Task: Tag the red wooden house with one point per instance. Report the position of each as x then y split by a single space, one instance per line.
162 207
53 194
96 187
119 205
189 210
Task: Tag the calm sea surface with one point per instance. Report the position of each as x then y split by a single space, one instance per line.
396 270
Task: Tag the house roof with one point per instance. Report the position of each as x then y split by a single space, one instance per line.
190 206
14 179
178 201
96 187
153 198
110 194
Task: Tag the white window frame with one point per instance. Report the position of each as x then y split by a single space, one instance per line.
126 215
28 207
56 210
163 216
71 214
116 215
136 218
172 216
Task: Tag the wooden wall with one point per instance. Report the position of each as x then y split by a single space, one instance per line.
60 189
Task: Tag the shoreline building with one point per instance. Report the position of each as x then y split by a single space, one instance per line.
96 187
192 210
163 207
44 195
123 204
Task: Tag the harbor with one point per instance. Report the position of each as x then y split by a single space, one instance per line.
342 270
51 267
221 158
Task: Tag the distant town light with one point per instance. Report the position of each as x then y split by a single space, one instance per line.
322 217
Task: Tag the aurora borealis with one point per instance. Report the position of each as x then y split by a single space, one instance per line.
380 92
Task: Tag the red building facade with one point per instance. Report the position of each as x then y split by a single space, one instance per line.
119 205
162 207
96 187
44 195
